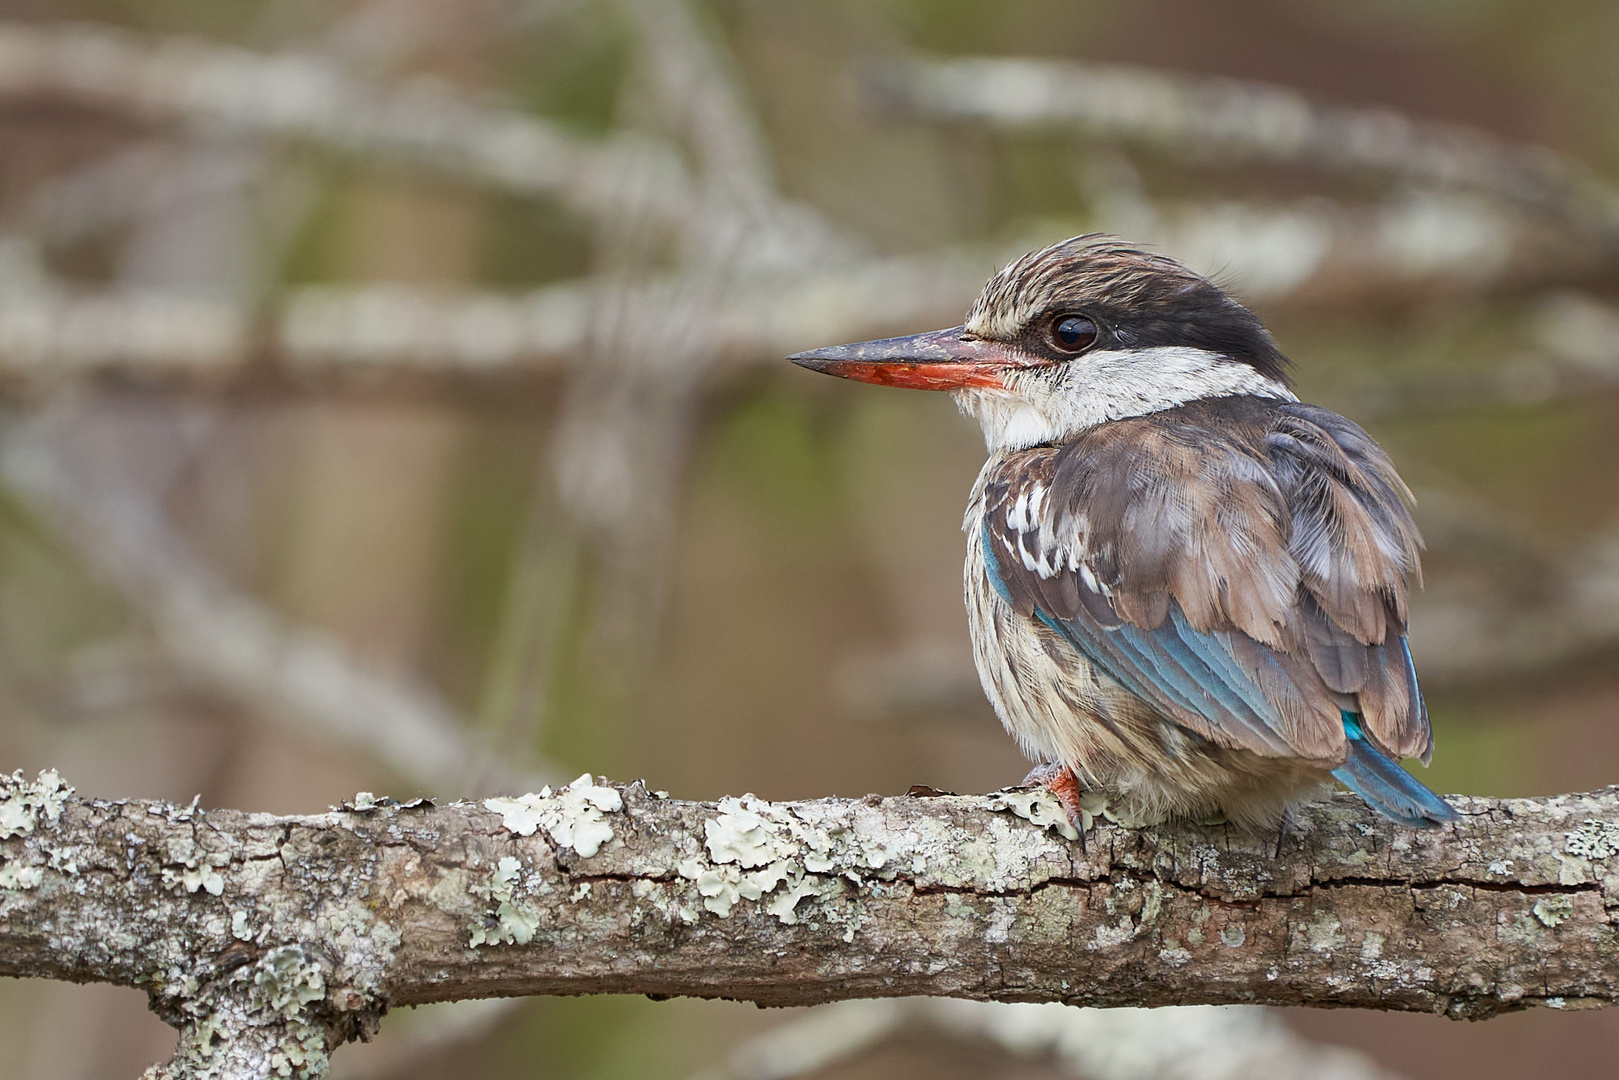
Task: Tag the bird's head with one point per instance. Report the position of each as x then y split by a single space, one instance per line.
1082 332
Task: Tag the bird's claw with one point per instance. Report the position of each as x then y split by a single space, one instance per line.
1060 780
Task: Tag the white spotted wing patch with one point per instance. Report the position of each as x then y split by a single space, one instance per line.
1035 531
1032 540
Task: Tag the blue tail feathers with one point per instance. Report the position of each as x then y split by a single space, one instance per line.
1386 787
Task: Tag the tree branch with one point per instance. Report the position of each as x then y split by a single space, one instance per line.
261 936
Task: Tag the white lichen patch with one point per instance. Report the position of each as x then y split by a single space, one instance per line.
722 887
763 881
286 980
785 906
851 919
1323 935
1041 808
1173 955
874 853
666 899
234 1041
1002 915
574 817
302 1053
511 922
1519 929
750 832
1572 869
1131 817
1553 910
260 1025
1107 936
16 876
192 869
206 878
1153 905
24 805
770 855
1593 839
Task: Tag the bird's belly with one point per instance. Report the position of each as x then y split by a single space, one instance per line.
1048 696
1061 708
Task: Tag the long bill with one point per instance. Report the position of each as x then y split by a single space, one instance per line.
938 360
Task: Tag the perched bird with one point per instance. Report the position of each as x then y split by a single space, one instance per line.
1186 588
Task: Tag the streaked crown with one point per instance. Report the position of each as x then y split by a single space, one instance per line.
1136 300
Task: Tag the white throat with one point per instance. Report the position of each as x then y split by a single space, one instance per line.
1098 387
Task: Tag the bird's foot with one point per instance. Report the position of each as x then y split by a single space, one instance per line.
1060 780
1281 835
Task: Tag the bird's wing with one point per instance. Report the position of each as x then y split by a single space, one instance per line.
1239 564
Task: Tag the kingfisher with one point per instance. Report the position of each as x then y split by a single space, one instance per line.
1187 589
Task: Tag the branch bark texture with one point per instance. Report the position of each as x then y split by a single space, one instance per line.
269 940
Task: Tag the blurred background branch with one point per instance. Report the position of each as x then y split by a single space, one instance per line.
393 396
1219 120
1193 1042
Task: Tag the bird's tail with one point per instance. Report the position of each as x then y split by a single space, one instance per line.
1387 787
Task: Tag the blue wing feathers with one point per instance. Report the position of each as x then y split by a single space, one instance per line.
992 568
1214 652
1166 663
1172 666
1419 707
1387 787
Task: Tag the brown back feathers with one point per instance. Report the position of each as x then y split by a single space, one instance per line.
1243 561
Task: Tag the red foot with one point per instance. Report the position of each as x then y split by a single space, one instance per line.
1061 782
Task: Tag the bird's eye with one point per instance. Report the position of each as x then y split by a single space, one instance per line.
1071 333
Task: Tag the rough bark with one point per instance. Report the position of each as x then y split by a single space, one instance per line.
269 940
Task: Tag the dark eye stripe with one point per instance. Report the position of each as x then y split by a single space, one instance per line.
1071 333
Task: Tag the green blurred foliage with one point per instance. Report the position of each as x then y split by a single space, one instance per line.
49 605
574 69
776 450
1476 755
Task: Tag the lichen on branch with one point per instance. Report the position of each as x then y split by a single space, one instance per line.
267 941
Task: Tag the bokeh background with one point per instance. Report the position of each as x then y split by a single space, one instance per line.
391 399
